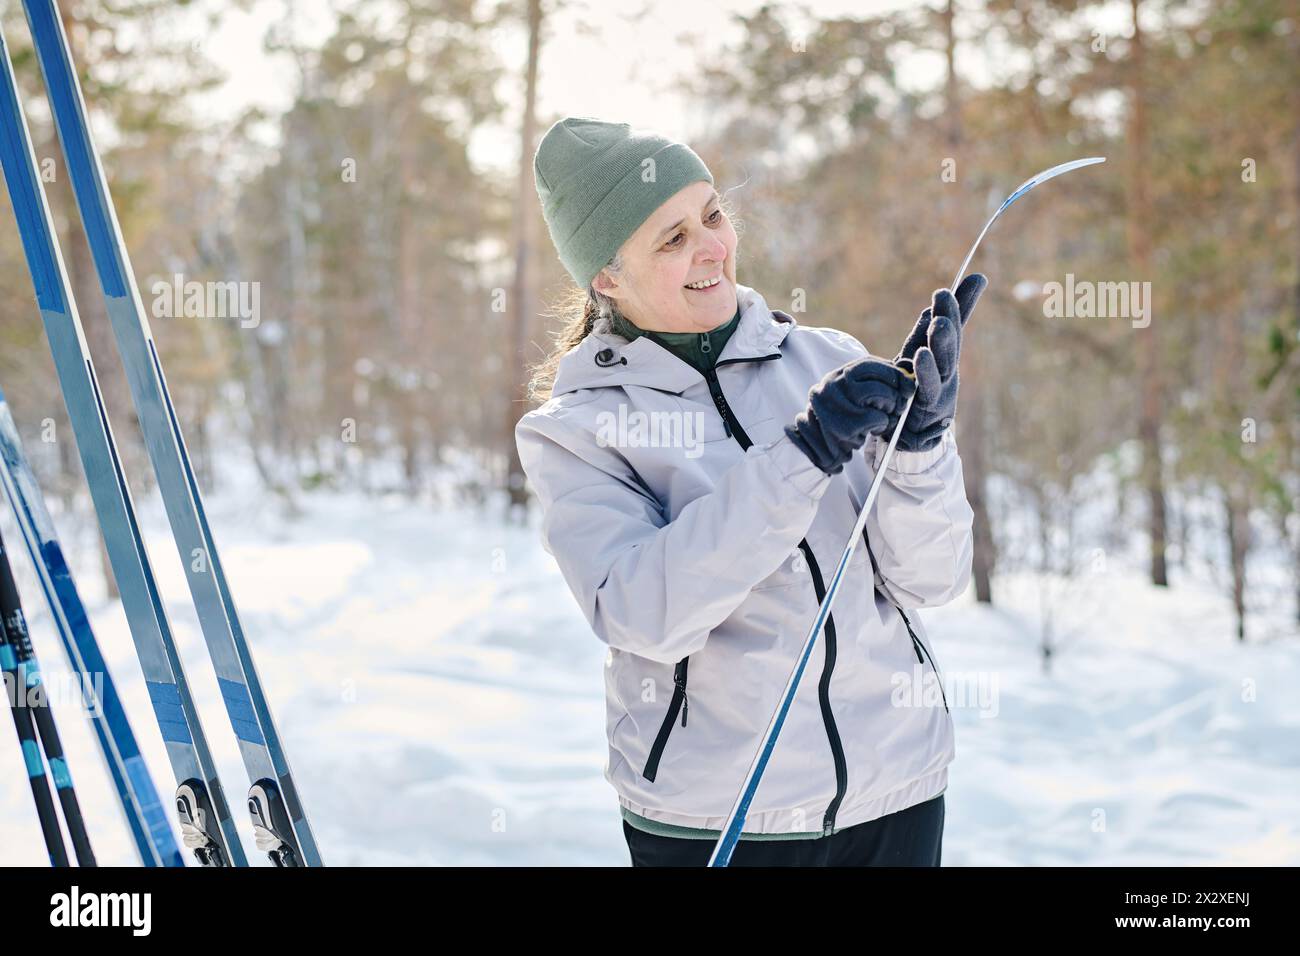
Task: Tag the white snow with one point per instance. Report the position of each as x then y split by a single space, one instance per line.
442 701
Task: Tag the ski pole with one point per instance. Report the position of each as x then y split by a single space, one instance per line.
36 776
732 829
16 692
28 683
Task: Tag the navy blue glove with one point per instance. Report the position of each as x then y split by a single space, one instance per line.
860 398
931 352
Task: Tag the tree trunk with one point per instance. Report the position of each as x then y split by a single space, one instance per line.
1238 526
1230 406
521 305
973 424
410 309
1295 218
1139 240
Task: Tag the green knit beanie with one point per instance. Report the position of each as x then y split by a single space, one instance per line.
599 181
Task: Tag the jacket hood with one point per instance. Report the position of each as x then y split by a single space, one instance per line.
605 358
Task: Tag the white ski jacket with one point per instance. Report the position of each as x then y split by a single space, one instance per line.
697 540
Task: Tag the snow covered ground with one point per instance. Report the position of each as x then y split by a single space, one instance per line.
442 700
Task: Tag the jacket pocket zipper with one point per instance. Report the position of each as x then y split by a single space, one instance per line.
918 647
679 703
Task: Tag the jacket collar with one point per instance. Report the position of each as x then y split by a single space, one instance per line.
605 358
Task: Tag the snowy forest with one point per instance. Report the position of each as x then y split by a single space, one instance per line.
350 281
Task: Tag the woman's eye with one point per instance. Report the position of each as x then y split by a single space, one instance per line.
713 220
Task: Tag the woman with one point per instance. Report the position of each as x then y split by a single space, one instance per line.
695 464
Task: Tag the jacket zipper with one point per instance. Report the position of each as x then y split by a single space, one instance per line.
824 686
678 703
918 647
824 696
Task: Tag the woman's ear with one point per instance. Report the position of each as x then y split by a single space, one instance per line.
602 283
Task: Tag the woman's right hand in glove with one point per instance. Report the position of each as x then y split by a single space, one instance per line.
863 397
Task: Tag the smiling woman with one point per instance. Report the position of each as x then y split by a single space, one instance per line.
621 292
680 266
698 559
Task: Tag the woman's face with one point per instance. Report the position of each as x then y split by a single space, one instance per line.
687 239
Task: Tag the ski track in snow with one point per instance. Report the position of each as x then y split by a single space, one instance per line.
441 698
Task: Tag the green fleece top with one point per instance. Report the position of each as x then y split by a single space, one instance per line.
698 349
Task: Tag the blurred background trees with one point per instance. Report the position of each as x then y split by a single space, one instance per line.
403 288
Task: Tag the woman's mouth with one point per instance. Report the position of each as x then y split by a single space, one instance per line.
704 285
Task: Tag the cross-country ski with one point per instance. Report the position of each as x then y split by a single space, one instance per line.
206 823
145 815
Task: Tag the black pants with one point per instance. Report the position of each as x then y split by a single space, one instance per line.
910 837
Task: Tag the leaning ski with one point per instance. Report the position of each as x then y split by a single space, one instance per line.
145 815
273 794
178 718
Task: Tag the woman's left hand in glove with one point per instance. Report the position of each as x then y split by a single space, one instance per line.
931 353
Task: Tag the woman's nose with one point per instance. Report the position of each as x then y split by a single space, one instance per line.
715 249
